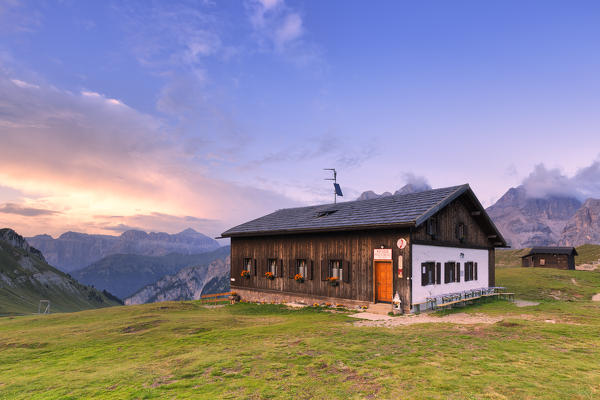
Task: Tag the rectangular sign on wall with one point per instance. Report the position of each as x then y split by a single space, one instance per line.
400 266
382 254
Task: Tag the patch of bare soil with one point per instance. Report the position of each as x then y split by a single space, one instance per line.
557 295
596 297
458 318
34 345
186 330
574 282
525 303
163 380
586 267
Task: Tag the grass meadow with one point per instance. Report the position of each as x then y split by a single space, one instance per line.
184 350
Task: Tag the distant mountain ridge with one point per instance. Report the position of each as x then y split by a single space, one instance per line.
526 221
73 250
125 274
26 278
406 189
187 284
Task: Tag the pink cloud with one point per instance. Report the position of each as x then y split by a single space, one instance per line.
84 156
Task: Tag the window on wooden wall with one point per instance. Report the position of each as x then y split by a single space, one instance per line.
301 267
272 266
335 269
432 228
470 271
247 264
460 232
451 272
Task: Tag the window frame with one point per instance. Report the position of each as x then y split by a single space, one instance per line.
451 272
302 270
432 227
470 271
428 269
331 268
247 265
461 232
272 266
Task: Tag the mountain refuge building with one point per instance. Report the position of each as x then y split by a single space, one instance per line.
550 257
411 246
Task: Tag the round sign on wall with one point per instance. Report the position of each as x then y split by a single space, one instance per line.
401 243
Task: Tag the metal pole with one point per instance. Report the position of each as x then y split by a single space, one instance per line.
334 181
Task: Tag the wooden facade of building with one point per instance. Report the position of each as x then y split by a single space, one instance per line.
372 266
550 257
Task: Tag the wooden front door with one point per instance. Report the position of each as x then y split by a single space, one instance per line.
383 281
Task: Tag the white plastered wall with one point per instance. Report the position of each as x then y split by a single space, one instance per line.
424 253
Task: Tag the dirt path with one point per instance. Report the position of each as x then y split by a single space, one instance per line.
586 267
368 319
525 303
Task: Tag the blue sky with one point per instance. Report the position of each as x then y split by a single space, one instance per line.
162 115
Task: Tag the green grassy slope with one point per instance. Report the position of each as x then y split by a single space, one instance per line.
510 258
125 274
186 351
549 283
588 253
27 286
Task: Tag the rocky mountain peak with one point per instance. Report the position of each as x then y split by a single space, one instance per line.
134 235
188 232
412 188
68 235
584 226
369 195
406 189
14 239
527 221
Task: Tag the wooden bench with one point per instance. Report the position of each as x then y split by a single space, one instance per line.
214 298
471 298
509 296
450 304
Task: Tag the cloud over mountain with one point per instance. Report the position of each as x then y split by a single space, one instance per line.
543 182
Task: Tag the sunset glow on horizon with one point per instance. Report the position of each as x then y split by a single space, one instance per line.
163 116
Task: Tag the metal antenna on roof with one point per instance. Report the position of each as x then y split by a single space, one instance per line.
337 190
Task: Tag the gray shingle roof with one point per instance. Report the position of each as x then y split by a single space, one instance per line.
398 210
552 250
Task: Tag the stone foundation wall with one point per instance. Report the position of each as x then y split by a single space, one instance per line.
256 295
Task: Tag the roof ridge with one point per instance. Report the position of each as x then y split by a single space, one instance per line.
375 199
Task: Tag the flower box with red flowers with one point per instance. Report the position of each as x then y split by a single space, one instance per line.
299 278
269 275
333 281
